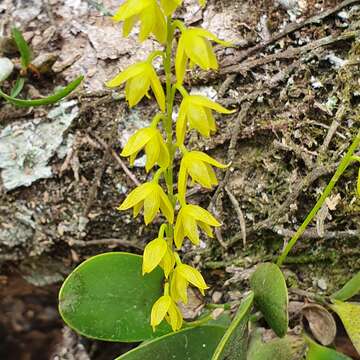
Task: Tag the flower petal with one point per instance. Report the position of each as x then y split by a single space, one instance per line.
164 156
182 180
130 8
157 89
168 262
151 205
137 141
207 34
201 214
193 276
154 252
159 310
160 27
136 88
175 317
196 50
169 6
205 102
208 159
152 150
137 195
180 61
125 75
198 119
198 172
181 122
190 229
178 287
179 231
128 25
166 207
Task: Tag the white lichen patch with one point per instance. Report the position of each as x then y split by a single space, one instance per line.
26 148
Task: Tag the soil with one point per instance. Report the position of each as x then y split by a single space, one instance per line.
297 95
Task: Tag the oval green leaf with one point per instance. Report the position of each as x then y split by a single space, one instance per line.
318 352
196 343
351 288
23 47
108 298
233 345
349 314
45 101
286 348
271 296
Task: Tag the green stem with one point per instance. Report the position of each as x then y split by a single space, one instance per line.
347 159
169 176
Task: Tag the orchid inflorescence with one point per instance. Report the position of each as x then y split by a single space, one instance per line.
195 112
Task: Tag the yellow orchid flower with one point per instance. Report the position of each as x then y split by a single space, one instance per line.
165 307
154 145
169 6
139 78
358 184
187 222
198 165
194 44
152 197
148 13
196 110
182 276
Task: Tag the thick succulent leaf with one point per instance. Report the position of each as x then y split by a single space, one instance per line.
318 352
287 348
349 314
233 345
351 288
108 298
196 343
271 296
44 101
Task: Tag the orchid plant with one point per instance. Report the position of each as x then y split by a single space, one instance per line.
181 219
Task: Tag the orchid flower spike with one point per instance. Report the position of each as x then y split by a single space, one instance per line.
196 111
154 145
148 13
151 197
139 78
194 44
187 222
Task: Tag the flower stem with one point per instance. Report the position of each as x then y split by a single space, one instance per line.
347 159
169 175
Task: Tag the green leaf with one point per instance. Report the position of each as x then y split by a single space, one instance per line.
318 352
233 345
45 101
108 298
271 296
23 48
351 288
349 314
15 91
279 349
196 343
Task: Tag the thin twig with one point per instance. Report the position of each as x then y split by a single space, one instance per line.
118 159
239 213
